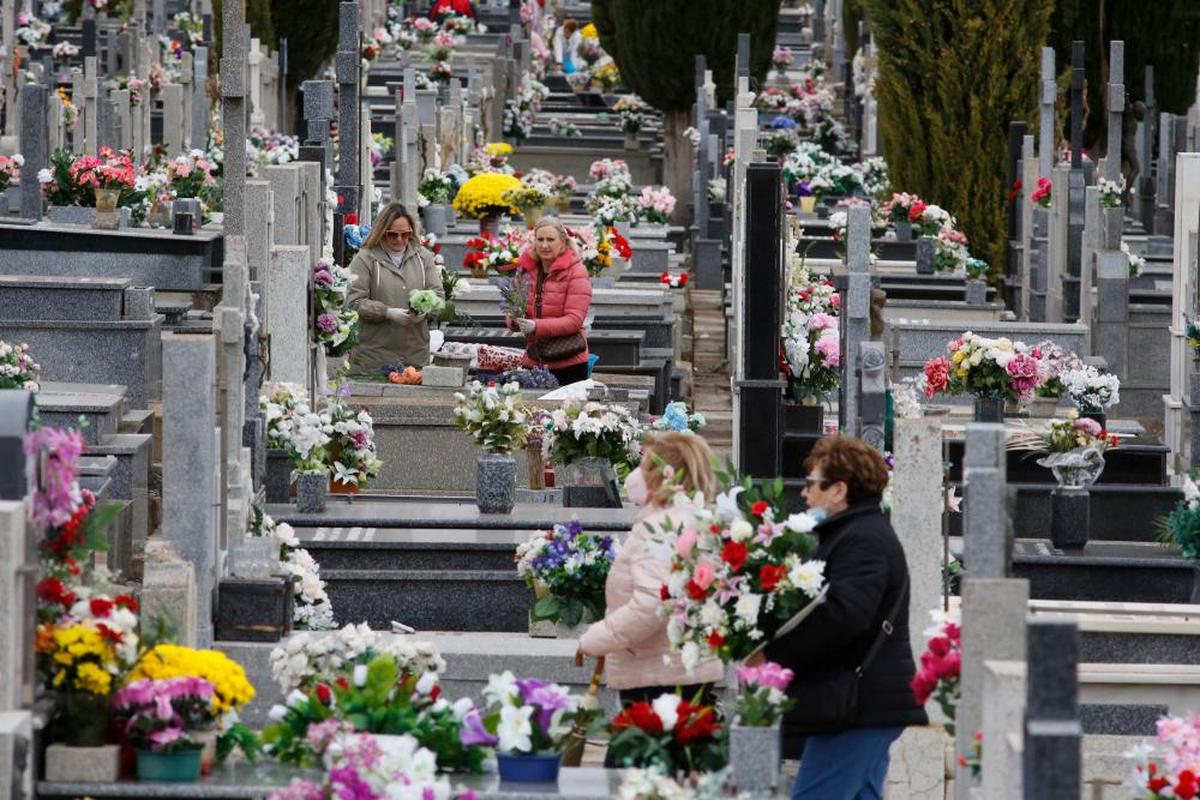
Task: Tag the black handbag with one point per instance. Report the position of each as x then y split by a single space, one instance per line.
828 700
552 348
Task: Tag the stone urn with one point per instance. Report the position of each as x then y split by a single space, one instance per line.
754 757
312 490
279 476
976 293
904 231
489 225
989 409
495 483
435 219
926 254
631 140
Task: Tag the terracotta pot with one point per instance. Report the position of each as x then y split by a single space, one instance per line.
337 487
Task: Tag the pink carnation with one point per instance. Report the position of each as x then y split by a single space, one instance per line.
1023 370
830 349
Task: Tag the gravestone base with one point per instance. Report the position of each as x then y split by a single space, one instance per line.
591 497
706 263
84 764
442 377
1070 517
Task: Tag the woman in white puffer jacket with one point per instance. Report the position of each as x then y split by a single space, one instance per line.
633 635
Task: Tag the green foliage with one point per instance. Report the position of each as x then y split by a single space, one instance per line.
1182 529
239 736
258 17
655 43
952 75
1165 33
311 28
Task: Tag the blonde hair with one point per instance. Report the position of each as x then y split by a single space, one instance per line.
690 460
383 223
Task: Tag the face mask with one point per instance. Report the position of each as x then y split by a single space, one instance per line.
818 514
635 487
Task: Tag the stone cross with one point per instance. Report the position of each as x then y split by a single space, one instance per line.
35 148
173 121
318 112
700 176
856 309
255 63
1116 108
1031 251
1111 329
1145 151
1072 192
1052 760
1015 251
233 115
1049 95
743 55
88 116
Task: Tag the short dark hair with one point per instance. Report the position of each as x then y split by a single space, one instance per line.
852 461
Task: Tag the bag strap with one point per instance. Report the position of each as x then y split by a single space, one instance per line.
885 630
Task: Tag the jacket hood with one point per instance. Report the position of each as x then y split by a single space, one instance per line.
529 262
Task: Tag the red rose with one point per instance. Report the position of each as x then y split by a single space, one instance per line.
760 508
922 685
939 645
683 278
664 593
342 683
695 724
55 592
916 211
351 218
770 575
715 640
126 601
695 592
638 715
108 633
734 554
324 694
101 607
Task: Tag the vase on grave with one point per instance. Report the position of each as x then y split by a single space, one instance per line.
279 476
83 717
312 489
926 253
495 483
976 293
107 216
66 764
180 766
808 203
631 141
804 417
1043 407
904 231
533 215
1075 469
754 758
524 768
1100 417
488 225
337 487
433 217
588 483
159 215
989 409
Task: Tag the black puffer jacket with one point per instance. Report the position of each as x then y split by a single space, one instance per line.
866 571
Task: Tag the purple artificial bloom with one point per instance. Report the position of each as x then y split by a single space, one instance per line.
803 189
347 785
474 733
323 278
161 738
548 700
526 686
327 322
359 438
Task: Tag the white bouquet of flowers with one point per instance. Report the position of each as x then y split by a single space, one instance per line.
1090 390
307 658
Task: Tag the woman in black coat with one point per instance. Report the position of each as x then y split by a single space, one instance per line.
863 623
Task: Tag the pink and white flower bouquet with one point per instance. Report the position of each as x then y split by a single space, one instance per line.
1172 769
18 370
656 203
334 324
159 713
781 58
762 695
10 170
987 368
812 354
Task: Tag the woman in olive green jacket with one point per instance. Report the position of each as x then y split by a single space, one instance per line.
390 266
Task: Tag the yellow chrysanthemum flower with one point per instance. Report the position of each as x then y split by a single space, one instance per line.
91 678
231 690
498 149
589 31
483 195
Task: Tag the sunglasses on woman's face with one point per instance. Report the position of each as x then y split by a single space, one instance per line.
399 234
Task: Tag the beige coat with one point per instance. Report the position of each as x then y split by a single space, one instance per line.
379 285
632 634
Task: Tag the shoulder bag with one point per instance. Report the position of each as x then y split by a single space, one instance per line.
830 700
552 348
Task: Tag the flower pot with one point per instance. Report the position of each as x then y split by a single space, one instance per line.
279 476
179 767
208 751
904 231
926 251
804 418
11 202
433 217
533 215
488 226
495 483
72 215
107 217
159 215
522 768
754 758
1099 416
989 409
312 488
976 293
337 487
631 141
808 203
84 718
1043 407
1075 469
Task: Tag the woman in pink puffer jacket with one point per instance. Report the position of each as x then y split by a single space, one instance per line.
632 635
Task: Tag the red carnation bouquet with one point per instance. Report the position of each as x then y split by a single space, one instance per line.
669 733
941 664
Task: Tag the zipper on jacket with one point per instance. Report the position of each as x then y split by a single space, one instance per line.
537 294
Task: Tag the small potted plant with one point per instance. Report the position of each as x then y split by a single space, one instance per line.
158 714
530 721
482 198
496 417
754 733
435 190
304 431
567 568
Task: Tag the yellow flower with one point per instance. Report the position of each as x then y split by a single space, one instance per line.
230 687
958 357
962 372
90 678
483 195
498 149
589 31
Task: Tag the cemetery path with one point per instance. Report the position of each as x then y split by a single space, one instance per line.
711 392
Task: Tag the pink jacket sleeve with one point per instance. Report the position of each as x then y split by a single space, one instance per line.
633 623
579 300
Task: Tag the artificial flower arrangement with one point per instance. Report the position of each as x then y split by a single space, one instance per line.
976 269
366 767
740 574
352 454
231 690
608 211
781 142
1054 361
293 426
335 325
987 368
1065 435
654 784
441 47
483 196
1135 262
677 419
1043 193
311 609
1169 770
897 208
583 428
18 370
494 415
10 170
610 177
1181 527
435 188
495 252
536 378
762 695
425 301
378 697
656 203
560 127
670 733
597 245
527 198
811 344
74 180
159 714
950 251
938 675
825 174
781 58
528 716
558 186
460 24
673 280
631 113
567 567
1092 391
190 174
1111 191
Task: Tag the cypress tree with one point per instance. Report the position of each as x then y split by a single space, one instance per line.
952 75
654 44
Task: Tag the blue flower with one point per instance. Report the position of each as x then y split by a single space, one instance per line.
783 123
